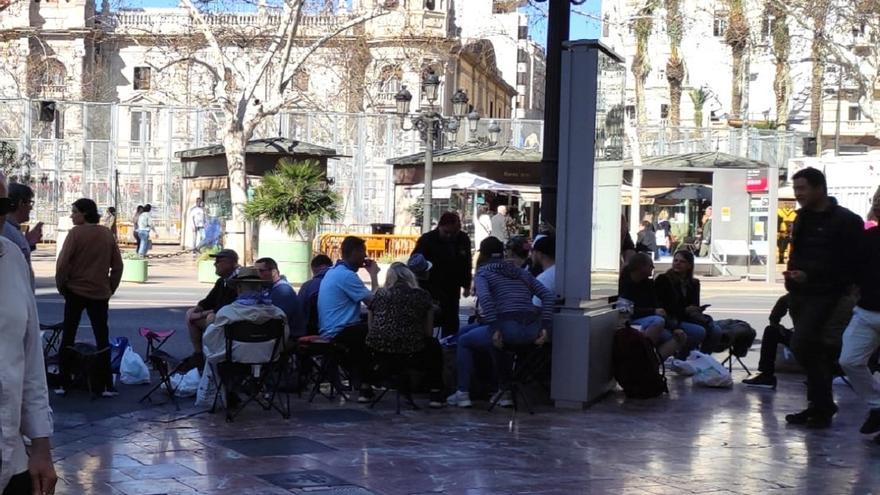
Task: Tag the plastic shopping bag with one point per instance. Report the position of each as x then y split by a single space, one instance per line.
133 370
683 368
186 385
709 372
118 347
207 390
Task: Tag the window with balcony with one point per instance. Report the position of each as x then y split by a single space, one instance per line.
141 132
48 76
141 78
664 111
522 33
768 24
719 23
855 113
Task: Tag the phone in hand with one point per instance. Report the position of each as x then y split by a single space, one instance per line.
368 262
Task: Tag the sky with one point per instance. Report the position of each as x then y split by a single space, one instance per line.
584 18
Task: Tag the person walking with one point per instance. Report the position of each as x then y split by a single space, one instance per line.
144 226
862 336
448 249
87 274
197 224
24 408
109 220
820 277
499 225
483 225
134 227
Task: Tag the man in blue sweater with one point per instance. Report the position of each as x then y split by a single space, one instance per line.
283 295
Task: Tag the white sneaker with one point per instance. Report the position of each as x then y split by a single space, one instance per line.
460 399
60 391
506 399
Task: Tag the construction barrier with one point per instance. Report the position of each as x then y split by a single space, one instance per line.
380 247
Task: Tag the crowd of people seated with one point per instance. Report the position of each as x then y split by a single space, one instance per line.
394 323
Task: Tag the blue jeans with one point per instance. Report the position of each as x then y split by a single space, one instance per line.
144 245
646 322
695 336
479 337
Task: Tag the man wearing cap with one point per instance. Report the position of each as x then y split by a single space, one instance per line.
253 304
24 398
420 267
203 314
448 249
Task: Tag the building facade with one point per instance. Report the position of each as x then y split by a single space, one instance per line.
849 100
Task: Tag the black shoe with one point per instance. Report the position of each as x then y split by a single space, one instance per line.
800 418
819 421
872 423
761 380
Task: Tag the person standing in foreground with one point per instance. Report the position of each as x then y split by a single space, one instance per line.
820 279
87 274
24 401
448 249
862 336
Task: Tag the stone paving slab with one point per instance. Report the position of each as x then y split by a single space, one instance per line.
693 441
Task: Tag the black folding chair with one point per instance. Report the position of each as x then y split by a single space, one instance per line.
52 339
529 361
318 364
395 370
256 387
166 365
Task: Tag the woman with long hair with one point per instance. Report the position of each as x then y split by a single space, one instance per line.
87 273
401 327
679 295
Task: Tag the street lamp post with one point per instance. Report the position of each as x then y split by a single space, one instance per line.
428 121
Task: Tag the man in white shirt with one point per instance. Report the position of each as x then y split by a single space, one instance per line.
24 400
544 255
197 223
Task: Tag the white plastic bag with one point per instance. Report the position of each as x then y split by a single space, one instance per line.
683 368
208 389
133 370
709 372
186 385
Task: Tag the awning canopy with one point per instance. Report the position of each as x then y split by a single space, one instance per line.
504 154
467 180
269 146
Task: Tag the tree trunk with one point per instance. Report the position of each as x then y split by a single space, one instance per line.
781 87
698 118
736 83
234 235
817 52
641 111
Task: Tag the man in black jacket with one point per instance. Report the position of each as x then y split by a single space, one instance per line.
862 336
820 279
449 251
199 317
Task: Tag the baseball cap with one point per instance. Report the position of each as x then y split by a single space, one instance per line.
226 253
419 265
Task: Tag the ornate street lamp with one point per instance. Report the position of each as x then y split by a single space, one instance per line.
430 123
494 132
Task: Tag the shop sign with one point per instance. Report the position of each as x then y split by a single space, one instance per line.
756 180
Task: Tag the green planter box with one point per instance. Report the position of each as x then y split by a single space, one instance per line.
206 272
134 271
292 256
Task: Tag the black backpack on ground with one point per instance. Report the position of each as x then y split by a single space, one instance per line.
637 365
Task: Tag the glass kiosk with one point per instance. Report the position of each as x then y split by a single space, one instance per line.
590 160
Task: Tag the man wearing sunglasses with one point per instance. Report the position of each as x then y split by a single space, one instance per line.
21 202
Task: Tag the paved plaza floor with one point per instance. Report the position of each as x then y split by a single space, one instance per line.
694 440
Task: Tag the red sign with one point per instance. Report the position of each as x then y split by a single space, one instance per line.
756 180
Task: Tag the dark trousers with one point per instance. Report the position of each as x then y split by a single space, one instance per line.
356 359
449 301
819 321
20 484
429 361
97 309
771 338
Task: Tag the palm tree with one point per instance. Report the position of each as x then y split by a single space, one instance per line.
737 37
698 97
781 51
641 65
295 198
675 65
818 11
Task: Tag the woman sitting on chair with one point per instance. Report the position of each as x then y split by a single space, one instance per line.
507 316
401 327
679 295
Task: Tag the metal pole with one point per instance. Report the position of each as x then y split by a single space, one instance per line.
429 176
837 119
559 14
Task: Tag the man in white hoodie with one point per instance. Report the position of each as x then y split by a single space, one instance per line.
24 399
